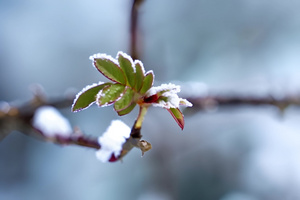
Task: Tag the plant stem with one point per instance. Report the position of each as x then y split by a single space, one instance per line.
142 113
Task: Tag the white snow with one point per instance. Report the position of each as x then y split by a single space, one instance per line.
185 102
112 140
141 64
163 88
170 92
150 72
50 122
127 57
103 56
108 57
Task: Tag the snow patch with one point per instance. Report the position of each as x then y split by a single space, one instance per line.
170 98
163 88
112 140
104 57
50 122
185 102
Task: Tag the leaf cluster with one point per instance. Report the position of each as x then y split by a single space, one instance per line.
128 85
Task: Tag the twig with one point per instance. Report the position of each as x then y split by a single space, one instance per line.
20 118
209 102
134 28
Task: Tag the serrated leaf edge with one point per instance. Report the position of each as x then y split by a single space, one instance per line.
103 56
86 88
141 64
115 81
127 57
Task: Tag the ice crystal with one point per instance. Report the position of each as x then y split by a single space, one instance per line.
167 96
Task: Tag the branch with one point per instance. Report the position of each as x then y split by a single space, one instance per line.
75 138
134 28
213 101
21 118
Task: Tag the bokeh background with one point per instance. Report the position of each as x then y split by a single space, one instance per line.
248 47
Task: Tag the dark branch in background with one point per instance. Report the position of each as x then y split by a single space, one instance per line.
20 118
134 28
211 102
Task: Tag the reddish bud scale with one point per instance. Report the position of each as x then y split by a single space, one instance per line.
113 158
151 99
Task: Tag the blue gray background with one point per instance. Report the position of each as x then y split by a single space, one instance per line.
248 47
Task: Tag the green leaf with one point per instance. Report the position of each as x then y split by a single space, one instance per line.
147 83
139 71
110 94
127 110
125 100
87 96
110 70
178 116
126 65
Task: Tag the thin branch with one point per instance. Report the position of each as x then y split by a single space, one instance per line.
134 17
209 102
75 138
20 118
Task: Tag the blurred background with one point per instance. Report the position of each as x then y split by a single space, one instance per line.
248 47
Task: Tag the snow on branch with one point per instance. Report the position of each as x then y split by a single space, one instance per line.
41 118
20 117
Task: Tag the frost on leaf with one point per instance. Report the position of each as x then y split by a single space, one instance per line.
112 141
130 83
109 67
139 71
165 96
50 122
125 100
87 96
126 64
164 88
185 102
147 82
110 94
